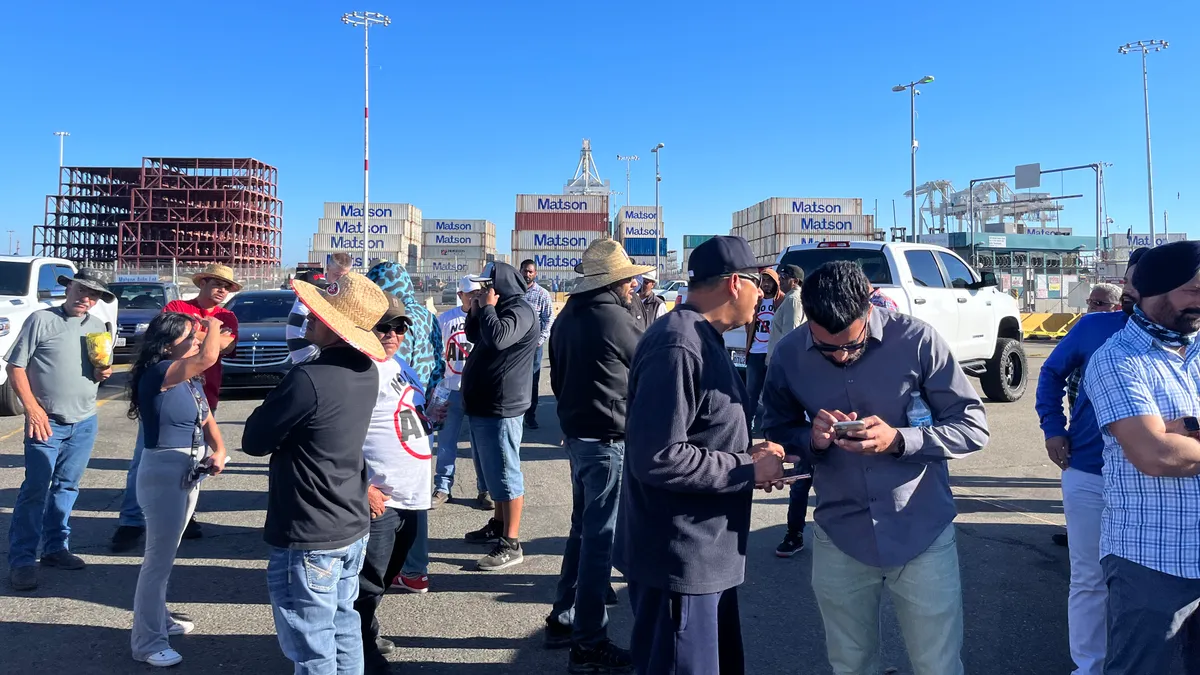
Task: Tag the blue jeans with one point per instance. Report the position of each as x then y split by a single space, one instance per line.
447 447
756 376
1152 618
531 414
52 472
312 597
587 561
927 595
798 504
497 443
131 511
417 561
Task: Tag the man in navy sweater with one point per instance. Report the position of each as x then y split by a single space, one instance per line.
1079 450
690 472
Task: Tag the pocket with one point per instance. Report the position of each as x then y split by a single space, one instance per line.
679 612
323 569
945 540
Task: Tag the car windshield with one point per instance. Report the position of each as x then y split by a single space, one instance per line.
139 296
14 278
262 308
872 261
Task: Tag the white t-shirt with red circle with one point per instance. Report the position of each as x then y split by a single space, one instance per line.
455 347
762 325
397 449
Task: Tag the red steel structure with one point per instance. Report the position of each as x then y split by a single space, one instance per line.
184 211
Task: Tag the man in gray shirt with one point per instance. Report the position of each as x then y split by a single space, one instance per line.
885 512
57 383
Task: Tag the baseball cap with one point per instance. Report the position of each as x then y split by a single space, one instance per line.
720 256
468 284
793 271
650 276
396 312
484 277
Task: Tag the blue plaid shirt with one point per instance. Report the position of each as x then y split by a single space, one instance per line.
1154 522
539 299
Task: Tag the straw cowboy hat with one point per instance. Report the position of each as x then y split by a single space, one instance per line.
217 271
351 307
605 262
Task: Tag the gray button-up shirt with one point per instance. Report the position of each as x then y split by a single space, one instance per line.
882 510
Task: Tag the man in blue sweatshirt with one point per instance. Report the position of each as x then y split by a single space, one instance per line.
1078 449
690 472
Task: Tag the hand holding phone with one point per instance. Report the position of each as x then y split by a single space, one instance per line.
843 429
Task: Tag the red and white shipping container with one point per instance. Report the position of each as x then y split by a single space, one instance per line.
568 222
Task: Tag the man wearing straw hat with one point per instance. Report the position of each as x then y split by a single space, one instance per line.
314 427
591 346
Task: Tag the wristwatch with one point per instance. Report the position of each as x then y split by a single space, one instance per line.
899 451
1192 426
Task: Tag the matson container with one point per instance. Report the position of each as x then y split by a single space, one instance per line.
556 240
551 261
455 239
571 222
813 206
355 226
812 225
354 242
356 256
465 252
457 225
378 210
593 204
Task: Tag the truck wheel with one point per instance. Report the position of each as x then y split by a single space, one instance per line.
1006 373
10 404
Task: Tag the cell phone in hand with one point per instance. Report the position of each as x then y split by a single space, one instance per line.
794 472
843 429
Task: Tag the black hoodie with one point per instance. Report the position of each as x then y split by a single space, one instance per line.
591 346
495 381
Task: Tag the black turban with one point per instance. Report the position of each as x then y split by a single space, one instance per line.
1137 255
1164 268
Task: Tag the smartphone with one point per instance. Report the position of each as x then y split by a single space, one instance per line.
794 472
843 429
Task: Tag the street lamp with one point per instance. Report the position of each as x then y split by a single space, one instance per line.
627 159
657 214
913 93
1145 47
366 20
61 137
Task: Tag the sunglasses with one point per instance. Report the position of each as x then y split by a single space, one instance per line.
849 347
385 328
1099 303
752 278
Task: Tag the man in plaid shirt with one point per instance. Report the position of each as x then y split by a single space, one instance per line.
1144 384
539 299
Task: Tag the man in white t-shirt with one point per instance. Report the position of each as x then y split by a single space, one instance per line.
758 334
455 349
398 454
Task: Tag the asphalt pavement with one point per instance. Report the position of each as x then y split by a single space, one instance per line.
1014 578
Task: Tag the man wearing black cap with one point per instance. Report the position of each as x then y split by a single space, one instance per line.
1078 449
690 471
57 383
1144 384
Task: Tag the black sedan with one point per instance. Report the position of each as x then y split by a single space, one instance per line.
260 359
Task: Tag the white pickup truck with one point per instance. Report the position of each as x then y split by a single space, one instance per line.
981 322
28 284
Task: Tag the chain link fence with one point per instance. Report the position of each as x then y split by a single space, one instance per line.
252 278
1042 282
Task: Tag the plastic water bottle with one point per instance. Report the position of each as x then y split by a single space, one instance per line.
918 411
441 395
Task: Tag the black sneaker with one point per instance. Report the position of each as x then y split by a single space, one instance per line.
63 560
505 554
1060 539
484 502
793 543
531 424
192 531
558 636
486 534
126 538
605 657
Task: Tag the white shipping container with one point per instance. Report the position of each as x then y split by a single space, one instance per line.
553 240
812 225
639 229
354 242
456 239
550 260
562 204
377 210
812 206
464 252
356 256
640 214
451 266
355 226
1124 240
457 225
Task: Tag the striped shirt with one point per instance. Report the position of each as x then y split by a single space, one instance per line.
1152 521
539 299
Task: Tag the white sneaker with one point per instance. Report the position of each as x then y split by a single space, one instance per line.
180 627
164 659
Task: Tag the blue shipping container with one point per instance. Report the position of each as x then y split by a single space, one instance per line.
645 246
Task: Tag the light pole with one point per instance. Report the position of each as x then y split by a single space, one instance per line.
1145 47
657 214
913 93
61 137
627 159
365 20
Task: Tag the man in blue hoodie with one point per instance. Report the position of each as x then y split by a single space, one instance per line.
1079 450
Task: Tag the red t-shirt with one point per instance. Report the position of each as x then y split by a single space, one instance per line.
212 376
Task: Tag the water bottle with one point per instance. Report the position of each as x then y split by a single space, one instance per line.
441 395
918 411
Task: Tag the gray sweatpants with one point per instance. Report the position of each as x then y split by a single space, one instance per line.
167 507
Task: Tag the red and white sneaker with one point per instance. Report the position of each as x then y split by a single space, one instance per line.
416 583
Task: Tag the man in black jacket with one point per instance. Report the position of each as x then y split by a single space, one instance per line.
313 425
591 346
496 394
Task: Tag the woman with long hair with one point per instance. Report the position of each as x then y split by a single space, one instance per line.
166 394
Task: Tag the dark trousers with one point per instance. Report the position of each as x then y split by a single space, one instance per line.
756 377
531 414
676 634
798 505
392 535
1152 618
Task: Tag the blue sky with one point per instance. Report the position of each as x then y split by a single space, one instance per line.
474 102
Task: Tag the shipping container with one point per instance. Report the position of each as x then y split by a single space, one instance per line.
1137 240
693 240
455 239
466 252
378 210
525 240
381 226
645 247
354 242
458 225
571 222
550 261
812 225
593 204
638 221
639 229
356 257
812 206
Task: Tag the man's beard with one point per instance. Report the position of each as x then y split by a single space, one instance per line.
1186 322
849 361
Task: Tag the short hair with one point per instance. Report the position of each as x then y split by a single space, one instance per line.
836 295
1112 292
341 260
525 262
